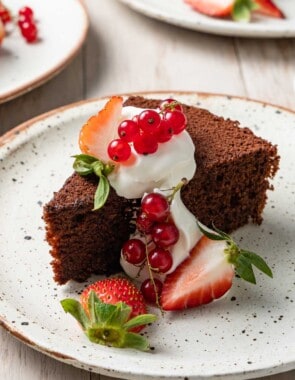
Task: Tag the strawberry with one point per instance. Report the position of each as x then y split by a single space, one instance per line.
208 272
268 8
110 312
239 10
213 8
101 129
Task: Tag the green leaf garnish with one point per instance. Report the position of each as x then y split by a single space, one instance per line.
84 165
102 192
108 324
242 10
242 260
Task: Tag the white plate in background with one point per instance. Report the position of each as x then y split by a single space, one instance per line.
62 27
178 13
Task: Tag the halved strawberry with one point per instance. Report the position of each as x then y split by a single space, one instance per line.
214 8
268 8
110 312
208 272
101 129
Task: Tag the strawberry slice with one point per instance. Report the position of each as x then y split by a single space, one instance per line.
111 313
101 129
208 272
268 8
213 8
204 276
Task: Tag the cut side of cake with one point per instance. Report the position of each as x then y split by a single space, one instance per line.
228 190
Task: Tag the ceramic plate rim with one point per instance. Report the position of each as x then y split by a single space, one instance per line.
206 25
8 137
45 77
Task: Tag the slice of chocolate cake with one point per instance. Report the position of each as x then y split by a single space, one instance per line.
228 189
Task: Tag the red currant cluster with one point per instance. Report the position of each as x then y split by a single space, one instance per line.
155 223
146 130
25 21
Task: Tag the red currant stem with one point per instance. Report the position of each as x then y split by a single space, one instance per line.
151 275
140 269
182 183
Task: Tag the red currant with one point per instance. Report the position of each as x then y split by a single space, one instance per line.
127 130
164 132
149 291
119 150
156 207
176 119
145 144
133 251
170 104
5 15
149 120
165 234
160 260
135 119
143 223
22 19
29 31
26 11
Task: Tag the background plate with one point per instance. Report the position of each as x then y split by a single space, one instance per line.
25 66
248 333
178 13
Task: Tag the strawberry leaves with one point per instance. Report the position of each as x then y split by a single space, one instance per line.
108 324
242 260
84 165
242 10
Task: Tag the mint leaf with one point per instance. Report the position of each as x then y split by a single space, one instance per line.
258 262
98 167
102 193
75 309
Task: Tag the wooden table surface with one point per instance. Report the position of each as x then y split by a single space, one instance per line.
127 52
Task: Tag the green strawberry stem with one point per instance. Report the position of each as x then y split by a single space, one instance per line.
84 165
243 9
108 324
242 260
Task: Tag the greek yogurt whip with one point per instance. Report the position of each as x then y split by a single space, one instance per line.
164 169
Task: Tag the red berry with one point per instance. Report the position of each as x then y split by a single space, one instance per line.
29 31
165 234
150 291
26 11
127 130
143 223
170 104
133 251
145 144
149 120
164 132
135 119
160 260
119 150
156 207
22 19
5 15
176 119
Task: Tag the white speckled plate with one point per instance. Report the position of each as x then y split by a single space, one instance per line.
248 333
25 66
178 13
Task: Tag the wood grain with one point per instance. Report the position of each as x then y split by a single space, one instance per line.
127 52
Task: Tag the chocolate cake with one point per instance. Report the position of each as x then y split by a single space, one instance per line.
228 190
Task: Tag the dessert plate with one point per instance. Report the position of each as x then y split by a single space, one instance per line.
249 333
26 66
178 13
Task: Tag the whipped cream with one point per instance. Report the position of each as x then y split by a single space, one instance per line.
156 172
